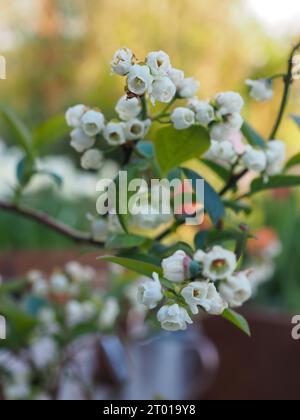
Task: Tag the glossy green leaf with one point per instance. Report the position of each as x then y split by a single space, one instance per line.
19 131
294 161
238 320
275 182
124 241
140 267
173 147
237 206
178 246
219 170
148 258
216 236
253 137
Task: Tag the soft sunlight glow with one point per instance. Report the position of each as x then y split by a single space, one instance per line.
279 16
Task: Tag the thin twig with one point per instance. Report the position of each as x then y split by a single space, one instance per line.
232 182
53 224
288 80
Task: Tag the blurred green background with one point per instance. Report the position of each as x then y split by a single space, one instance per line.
58 54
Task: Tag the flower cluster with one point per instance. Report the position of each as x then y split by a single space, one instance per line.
89 125
154 76
208 281
75 288
261 90
221 115
223 118
268 161
67 306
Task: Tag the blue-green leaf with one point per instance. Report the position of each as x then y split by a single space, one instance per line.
212 201
24 170
253 137
146 149
200 239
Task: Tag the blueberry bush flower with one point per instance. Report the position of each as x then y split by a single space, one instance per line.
162 123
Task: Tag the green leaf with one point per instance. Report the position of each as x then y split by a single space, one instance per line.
253 137
280 181
140 267
12 286
219 170
296 118
241 243
124 241
216 237
50 131
178 246
148 258
238 320
19 131
22 323
237 206
294 161
212 201
173 147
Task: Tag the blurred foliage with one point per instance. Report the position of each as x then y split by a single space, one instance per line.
284 216
18 233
